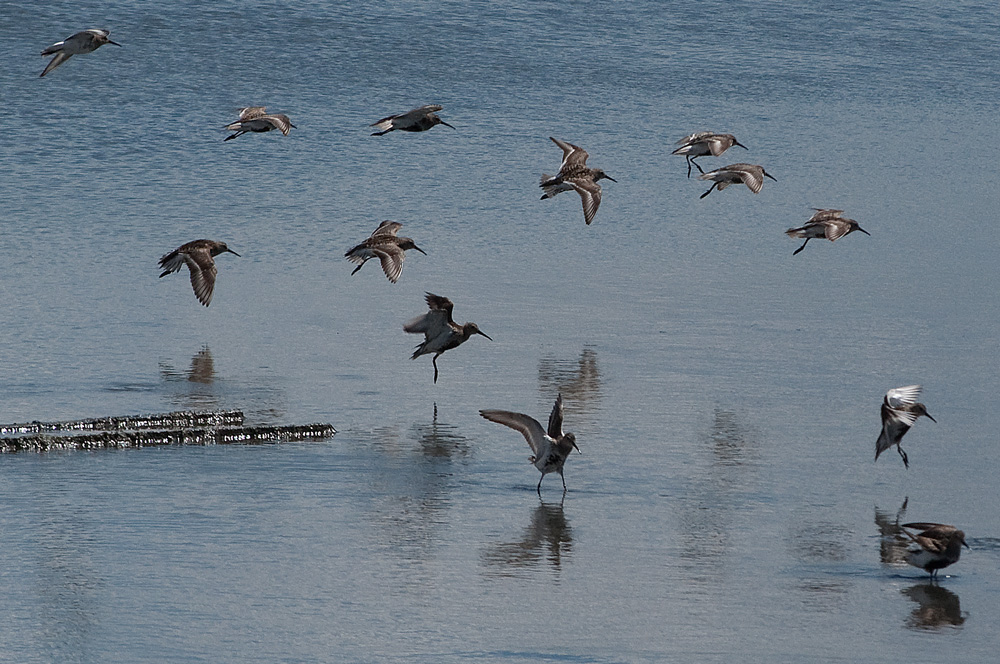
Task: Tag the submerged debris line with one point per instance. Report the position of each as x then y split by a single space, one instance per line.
177 420
210 436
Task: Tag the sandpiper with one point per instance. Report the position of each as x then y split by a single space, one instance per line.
550 447
825 223
575 176
751 175
940 546
704 143
440 331
419 119
384 245
899 411
257 119
198 256
82 42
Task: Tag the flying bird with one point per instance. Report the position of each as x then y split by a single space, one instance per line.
257 119
419 119
440 331
704 143
550 447
937 547
575 176
387 247
80 43
899 411
199 257
825 223
751 175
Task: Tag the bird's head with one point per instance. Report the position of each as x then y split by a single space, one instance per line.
571 439
920 409
438 120
222 249
855 227
599 174
471 328
768 175
735 142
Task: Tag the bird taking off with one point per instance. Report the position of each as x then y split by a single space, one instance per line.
440 331
899 411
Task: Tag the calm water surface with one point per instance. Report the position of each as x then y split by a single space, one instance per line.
724 394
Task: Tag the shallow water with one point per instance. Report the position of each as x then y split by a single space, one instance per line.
724 393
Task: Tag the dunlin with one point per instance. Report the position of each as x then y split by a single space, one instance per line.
751 175
257 119
899 411
199 257
440 331
939 546
575 176
384 245
419 119
704 143
825 223
550 447
82 42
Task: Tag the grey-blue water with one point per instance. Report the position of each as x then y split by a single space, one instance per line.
725 394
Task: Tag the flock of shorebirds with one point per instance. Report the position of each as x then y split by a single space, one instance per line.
935 546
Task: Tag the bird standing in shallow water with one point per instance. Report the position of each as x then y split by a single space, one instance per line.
550 447
440 331
384 245
704 143
82 42
575 176
940 546
419 119
899 411
825 223
751 175
199 257
257 119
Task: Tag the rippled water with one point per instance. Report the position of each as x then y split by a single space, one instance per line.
724 393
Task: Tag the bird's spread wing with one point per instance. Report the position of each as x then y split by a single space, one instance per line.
280 122
55 62
696 137
424 110
387 228
902 396
439 303
430 324
572 154
528 426
556 419
203 273
252 112
391 258
590 192
823 214
717 144
836 229
752 179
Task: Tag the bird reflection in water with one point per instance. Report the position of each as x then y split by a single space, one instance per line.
936 607
892 547
193 388
548 538
577 379
439 439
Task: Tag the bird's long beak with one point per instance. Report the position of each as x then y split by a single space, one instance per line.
420 250
611 178
929 417
233 252
292 126
869 235
766 174
741 145
966 545
446 124
115 43
577 448
484 334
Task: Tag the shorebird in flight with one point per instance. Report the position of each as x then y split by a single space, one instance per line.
899 411
939 546
419 119
704 143
550 447
80 43
440 331
257 119
825 223
751 175
575 176
199 257
387 247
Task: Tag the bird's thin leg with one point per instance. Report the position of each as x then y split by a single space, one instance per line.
906 462
696 165
688 157
714 185
539 487
229 138
563 479
434 361
802 247
357 268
